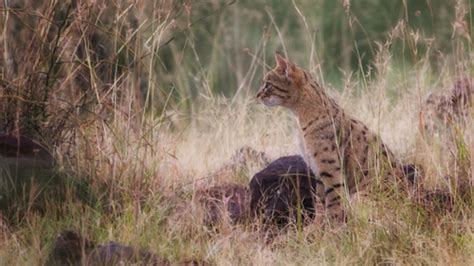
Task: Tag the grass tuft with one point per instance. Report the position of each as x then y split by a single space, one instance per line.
142 102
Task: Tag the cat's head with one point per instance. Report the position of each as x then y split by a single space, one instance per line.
283 85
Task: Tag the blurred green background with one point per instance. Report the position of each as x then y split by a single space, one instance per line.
169 53
217 50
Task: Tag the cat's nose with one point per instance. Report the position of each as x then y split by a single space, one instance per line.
259 94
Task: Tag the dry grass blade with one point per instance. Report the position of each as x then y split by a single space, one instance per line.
118 119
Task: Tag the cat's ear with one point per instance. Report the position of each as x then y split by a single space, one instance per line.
280 61
283 66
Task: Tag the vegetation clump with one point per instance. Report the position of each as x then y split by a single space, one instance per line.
133 107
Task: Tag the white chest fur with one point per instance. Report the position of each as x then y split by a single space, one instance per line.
305 152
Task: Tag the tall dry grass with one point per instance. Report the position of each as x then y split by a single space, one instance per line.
88 79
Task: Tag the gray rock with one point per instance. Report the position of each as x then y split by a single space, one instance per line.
12 146
29 180
26 171
224 202
282 191
71 248
114 253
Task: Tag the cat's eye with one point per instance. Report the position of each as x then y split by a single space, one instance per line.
266 86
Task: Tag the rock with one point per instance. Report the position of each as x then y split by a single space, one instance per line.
412 173
27 176
226 202
440 110
437 201
242 162
414 176
113 253
29 180
248 156
12 146
284 187
71 248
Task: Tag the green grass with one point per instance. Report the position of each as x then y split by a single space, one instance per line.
137 123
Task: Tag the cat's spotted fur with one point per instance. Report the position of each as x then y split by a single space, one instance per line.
343 153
